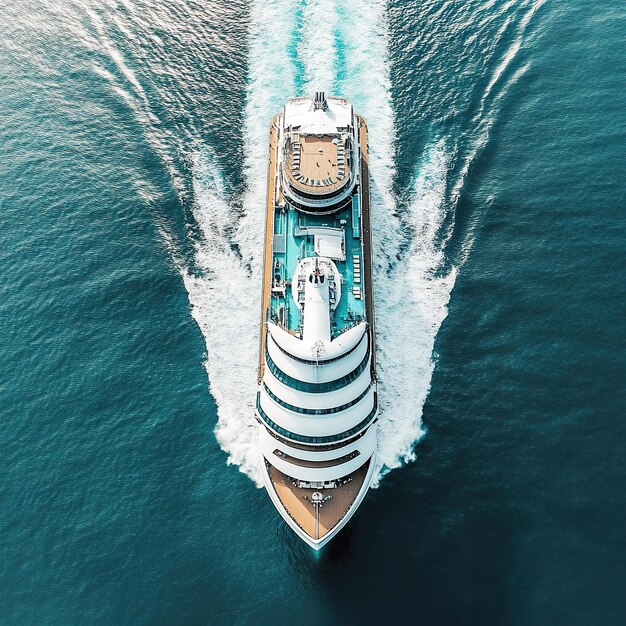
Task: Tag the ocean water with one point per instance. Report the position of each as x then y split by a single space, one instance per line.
131 206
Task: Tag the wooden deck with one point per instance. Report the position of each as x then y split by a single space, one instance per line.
318 161
367 238
269 239
317 521
319 158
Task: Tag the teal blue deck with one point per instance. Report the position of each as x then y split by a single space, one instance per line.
286 222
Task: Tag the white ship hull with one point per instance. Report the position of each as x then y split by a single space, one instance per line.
317 401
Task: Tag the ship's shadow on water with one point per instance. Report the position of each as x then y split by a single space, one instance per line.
434 530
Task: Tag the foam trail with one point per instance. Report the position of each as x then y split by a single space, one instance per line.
411 305
485 115
411 300
225 293
222 299
318 49
510 53
124 81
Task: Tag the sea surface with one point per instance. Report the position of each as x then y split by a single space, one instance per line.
134 144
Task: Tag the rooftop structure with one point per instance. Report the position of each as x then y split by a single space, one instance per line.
317 151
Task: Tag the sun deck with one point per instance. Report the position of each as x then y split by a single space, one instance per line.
317 165
316 514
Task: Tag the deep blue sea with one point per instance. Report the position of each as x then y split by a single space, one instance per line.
134 145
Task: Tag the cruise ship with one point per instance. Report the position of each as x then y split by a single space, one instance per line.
317 401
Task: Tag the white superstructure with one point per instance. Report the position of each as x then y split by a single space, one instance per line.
317 399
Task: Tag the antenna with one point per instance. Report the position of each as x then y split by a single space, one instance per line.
320 101
317 349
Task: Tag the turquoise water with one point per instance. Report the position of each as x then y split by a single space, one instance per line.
133 136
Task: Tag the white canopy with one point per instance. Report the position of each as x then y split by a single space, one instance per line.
300 113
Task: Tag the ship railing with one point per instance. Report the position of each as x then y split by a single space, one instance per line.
292 189
340 182
323 439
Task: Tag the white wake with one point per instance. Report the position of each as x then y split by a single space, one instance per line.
411 300
411 297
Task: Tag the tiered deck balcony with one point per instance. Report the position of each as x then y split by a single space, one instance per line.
317 166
